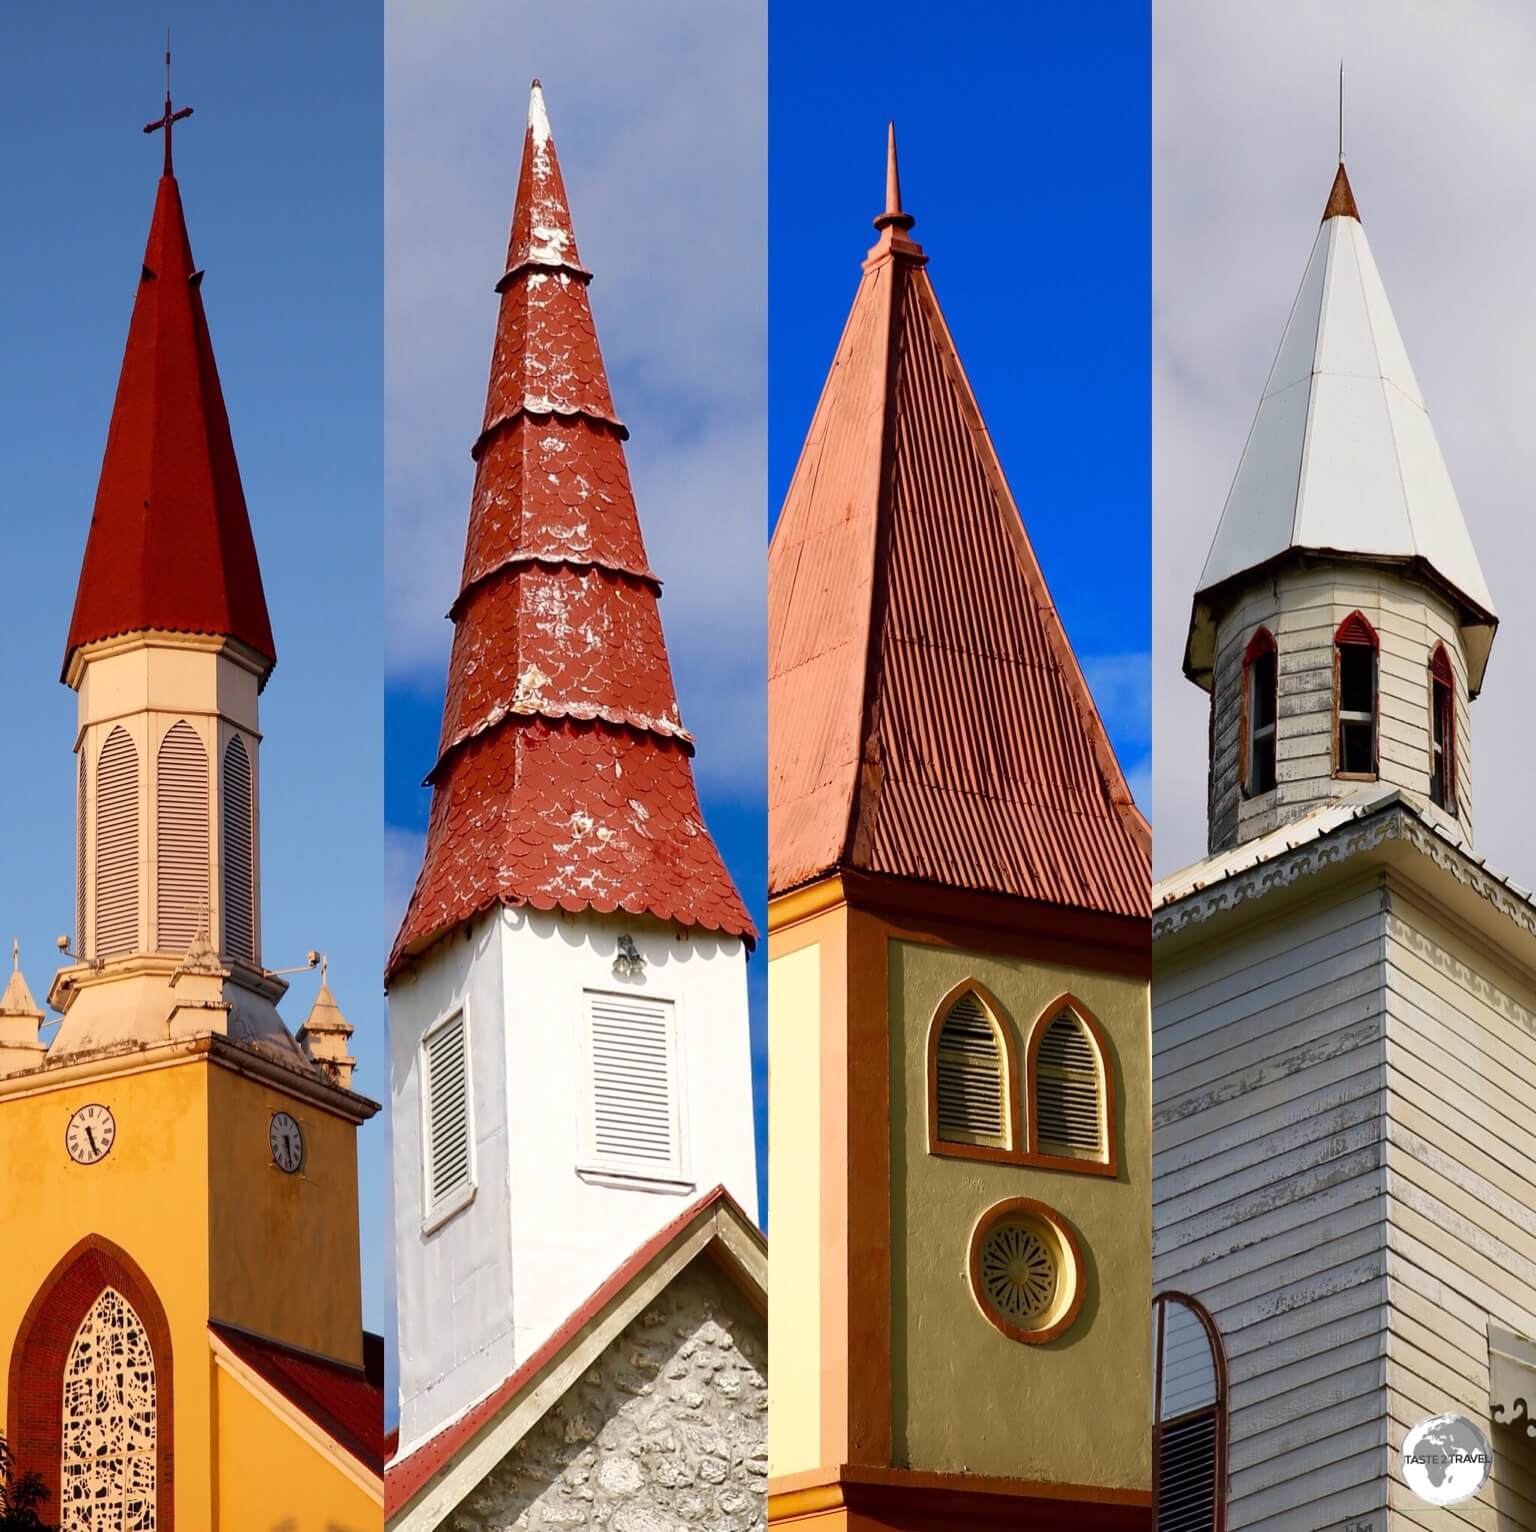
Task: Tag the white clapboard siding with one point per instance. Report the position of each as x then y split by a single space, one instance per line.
1069 1099
81 829
632 1121
181 838
117 845
446 1098
238 854
1461 1186
969 1076
1269 1196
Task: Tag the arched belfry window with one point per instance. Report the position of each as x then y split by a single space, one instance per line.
108 1447
237 849
1069 1116
117 845
969 1076
1260 713
181 838
1442 730
1355 696
82 829
1189 1418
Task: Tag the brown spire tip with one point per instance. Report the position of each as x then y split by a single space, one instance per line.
1341 200
893 216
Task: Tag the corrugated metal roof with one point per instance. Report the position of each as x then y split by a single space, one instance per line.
927 716
1342 457
563 776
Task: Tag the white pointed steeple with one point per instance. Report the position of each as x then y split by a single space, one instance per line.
1342 459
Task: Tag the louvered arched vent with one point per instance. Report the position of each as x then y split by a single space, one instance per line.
181 838
117 845
238 851
445 1065
970 1084
81 823
1069 1098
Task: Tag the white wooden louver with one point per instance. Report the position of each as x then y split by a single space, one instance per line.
446 1065
81 824
1186 1475
1069 1114
633 1101
117 845
181 838
238 850
969 1076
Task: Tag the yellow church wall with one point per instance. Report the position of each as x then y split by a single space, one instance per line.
965 1397
283 1248
272 1477
795 1202
148 1196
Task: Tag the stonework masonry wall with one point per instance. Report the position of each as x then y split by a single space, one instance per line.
667 1431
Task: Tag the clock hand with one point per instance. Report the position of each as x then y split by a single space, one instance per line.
91 1136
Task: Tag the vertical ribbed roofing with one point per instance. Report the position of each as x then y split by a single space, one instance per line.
170 543
927 717
563 775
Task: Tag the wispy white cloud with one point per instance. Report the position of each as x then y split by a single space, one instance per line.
1439 134
671 219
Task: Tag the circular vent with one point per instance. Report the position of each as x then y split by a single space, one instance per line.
1018 1272
1024 1270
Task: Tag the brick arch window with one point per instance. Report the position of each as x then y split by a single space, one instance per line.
90 1393
1189 1418
1071 1122
970 1077
1355 698
1442 730
1260 707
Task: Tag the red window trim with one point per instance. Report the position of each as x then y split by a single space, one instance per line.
1357 630
35 1401
1440 670
1262 642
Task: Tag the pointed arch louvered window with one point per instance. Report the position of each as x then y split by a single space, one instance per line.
1442 730
1355 648
447 1136
1189 1432
181 838
238 852
970 1077
1068 1116
82 824
117 845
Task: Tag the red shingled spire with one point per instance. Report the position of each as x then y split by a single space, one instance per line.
563 775
170 543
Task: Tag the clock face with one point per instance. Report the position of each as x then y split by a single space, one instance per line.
91 1133
287 1142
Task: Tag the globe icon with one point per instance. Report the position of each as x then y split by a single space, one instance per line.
1445 1459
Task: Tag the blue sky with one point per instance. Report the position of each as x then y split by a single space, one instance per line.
280 175
1024 148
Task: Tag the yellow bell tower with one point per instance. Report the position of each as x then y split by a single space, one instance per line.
959 948
180 1306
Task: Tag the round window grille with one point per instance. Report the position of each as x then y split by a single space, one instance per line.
1018 1272
1025 1265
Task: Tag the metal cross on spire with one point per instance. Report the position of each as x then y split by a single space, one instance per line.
168 116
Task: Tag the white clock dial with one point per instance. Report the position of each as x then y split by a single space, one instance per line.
287 1142
91 1133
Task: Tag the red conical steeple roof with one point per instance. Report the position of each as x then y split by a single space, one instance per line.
927 718
170 543
563 775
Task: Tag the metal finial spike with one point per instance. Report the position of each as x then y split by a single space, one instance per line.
1341 111
15 955
893 213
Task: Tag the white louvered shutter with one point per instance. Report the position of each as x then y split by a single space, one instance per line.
445 1066
81 822
969 1077
238 851
181 838
1069 1114
632 1105
117 845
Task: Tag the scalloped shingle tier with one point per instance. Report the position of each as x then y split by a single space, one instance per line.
563 778
170 543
